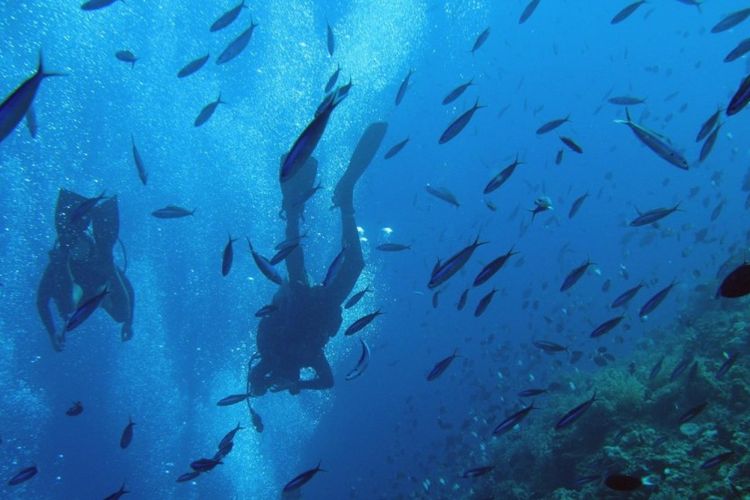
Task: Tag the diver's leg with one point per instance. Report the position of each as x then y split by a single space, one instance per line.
119 302
343 198
293 194
105 220
45 293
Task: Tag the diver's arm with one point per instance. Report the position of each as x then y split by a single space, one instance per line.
353 263
43 296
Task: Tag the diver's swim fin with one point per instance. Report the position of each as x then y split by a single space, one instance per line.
361 158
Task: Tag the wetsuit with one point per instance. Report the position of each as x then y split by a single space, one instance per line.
81 265
295 335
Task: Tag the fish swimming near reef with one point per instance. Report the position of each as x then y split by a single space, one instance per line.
657 143
441 366
193 66
227 18
301 479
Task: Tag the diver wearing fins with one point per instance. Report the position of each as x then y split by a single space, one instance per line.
81 265
294 336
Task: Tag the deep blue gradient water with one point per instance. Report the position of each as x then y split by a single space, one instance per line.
377 436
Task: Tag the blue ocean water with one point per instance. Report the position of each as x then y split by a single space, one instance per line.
383 434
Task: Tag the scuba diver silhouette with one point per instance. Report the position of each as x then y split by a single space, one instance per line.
294 336
81 265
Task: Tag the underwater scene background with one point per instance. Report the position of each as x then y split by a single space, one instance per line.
633 400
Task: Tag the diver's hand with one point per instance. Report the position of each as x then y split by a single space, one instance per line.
127 332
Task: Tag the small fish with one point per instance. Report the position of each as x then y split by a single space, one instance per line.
731 20
483 303
658 144
502 177
575 356
493 267
549 347
655 300
294 241
739 99
257 420
708 125
402 88
356 298
443 194
85 207
625 297
552 125
193 66
127 57
305 144
740 50
14 108
264 266
575 275
626 100
737 283
333 79
575 413
364 360
117 494
481 38
708 146
584 480
528 11
207 112
232 400
85 310
74 410
444 271
623 482
266 310
577 205
127 434
459 123
652 216
717 460
559 156
441 366
457 92
301 479
606 327
361 323
97 4
226 441
626 12
227 256
692 413
227 18
724 368
330 41
530 393
392 247
680 368
571 144
172 212
188 476
237 45
395 149
334 268
435 297
23 475
204 464
477 471
513 420
462 300
283 253
140 167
